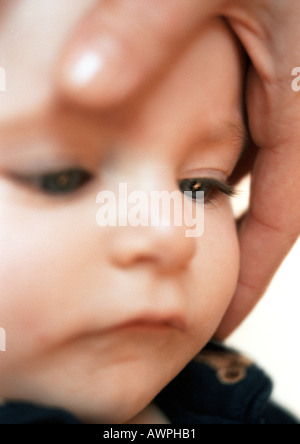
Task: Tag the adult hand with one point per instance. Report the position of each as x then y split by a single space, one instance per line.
270 33
122 44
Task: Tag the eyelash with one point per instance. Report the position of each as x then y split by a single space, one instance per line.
61 183
70 181
210 187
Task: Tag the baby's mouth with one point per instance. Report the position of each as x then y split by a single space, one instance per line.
150 321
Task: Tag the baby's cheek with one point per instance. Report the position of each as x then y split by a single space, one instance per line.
21 310
216 267
222 251
28 277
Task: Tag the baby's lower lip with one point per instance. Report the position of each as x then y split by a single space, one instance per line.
127 334
142 325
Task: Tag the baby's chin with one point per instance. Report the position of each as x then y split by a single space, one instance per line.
116 402
111 395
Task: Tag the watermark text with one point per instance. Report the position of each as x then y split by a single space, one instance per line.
2 79
296 81
155 209
2 340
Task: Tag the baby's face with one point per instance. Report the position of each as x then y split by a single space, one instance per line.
99 319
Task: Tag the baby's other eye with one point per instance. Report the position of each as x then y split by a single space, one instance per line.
60 183
210 187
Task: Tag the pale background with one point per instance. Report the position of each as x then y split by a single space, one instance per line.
271 333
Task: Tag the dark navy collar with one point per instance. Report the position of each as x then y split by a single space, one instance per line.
219 386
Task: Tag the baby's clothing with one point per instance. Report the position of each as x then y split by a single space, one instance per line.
219 386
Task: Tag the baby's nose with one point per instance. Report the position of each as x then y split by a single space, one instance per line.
166 248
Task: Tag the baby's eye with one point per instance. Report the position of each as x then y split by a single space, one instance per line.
210 187
60 183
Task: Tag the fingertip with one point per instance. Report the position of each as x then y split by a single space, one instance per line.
96 74
119 47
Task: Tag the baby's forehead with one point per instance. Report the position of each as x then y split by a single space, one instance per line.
201 89
32 34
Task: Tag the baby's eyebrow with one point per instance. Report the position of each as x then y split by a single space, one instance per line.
57 132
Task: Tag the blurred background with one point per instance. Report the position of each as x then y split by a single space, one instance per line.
271 333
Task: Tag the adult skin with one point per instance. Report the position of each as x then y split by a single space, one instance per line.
128 42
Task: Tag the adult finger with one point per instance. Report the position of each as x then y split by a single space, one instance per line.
269 32
121 44
272 224
266 236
